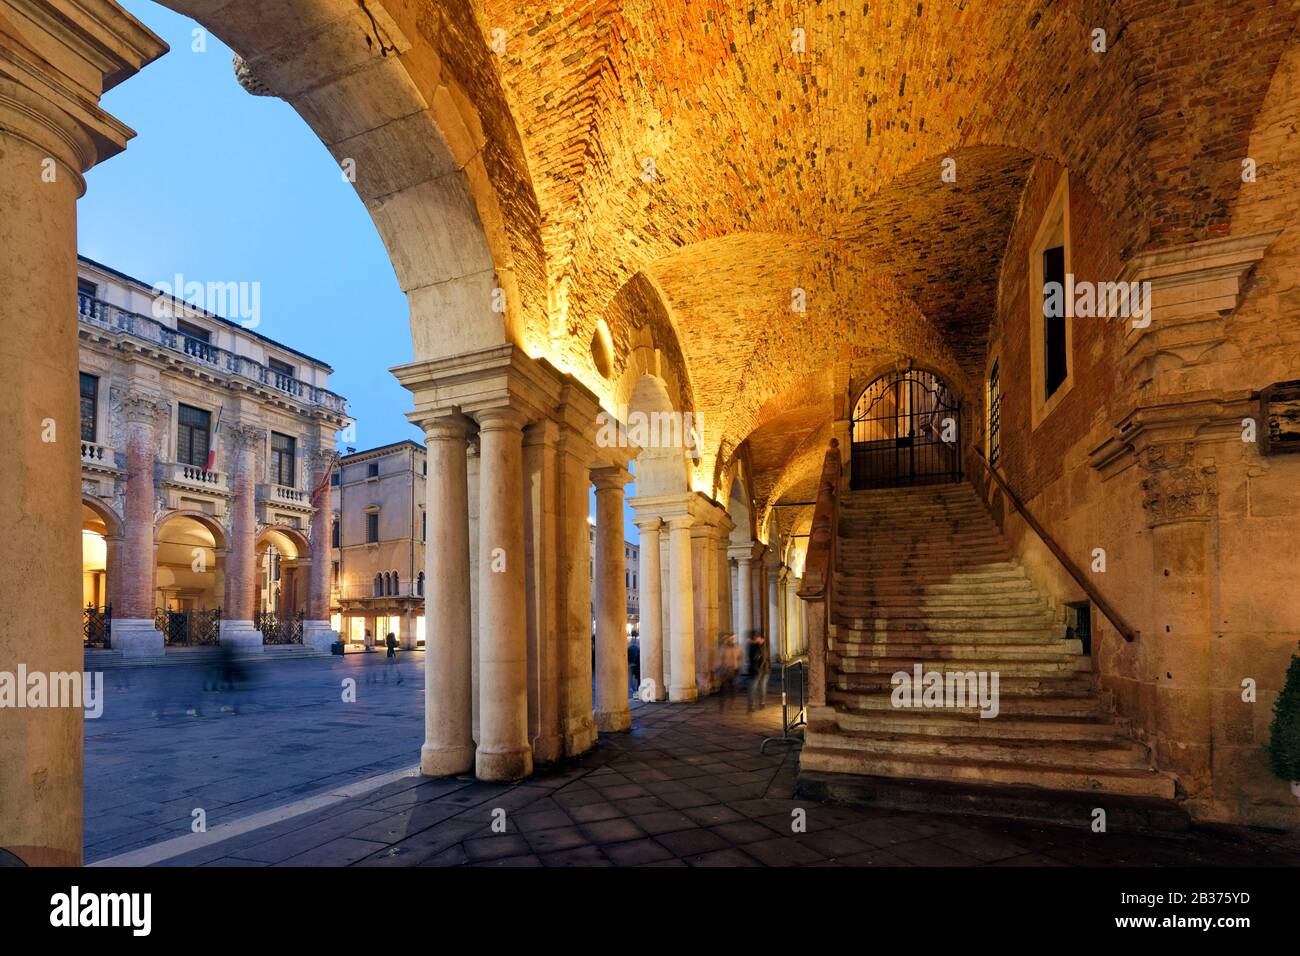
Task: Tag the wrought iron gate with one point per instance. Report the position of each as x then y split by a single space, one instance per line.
189 628
279 630
97 625
906 431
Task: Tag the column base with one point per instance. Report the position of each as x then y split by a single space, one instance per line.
684 695
579 736
242 637
318 635
503 764
137 637
613 721
446 761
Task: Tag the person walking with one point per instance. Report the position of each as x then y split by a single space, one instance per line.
728 666
390 642
760 666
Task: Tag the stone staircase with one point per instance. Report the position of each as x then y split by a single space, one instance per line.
925 578
98 659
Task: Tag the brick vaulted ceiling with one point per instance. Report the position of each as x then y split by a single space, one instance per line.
779 166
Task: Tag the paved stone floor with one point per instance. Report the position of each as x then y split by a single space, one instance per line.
165 745
686 787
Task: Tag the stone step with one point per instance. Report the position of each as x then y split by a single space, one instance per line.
1028 755
853 580
1087 706
1125 812
919 544
866 563
1035 608
889 604
978 589
948 724
867 625
966 650
1063 684
1067 666
905 641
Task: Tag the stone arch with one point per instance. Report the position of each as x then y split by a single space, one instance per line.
208 521
179 542
113 523
662 468
371 86
301 545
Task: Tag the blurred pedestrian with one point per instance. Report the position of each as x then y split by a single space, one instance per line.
760 667
728 665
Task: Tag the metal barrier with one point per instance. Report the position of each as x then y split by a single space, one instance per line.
792 720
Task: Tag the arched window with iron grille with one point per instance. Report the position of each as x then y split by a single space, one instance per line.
906 431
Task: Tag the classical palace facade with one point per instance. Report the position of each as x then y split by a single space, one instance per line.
379 531
964 336
203 446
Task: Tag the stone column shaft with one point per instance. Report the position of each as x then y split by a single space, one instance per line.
682 605
652 637
316 630
503 752
576 706
241 550
610 591
745 598
448 745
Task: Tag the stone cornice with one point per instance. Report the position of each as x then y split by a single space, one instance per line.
73 51
1197 419
1193 290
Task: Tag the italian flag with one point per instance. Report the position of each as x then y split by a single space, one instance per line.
212 444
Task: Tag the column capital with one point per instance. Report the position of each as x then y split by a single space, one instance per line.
744 554
679 522
544 432
648 523
246 435
446 426
56 66
610 478
139 406
500 418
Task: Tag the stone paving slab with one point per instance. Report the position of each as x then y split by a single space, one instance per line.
686 786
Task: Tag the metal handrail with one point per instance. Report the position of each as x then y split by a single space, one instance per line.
1089 588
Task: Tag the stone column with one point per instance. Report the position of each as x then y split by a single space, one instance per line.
790 644
316 630
504 752
448 744
237 630
52 129
745 600
703 557
408 629
133 625
652 638
610 590
682 605
541 573
726 624
775 618
577 712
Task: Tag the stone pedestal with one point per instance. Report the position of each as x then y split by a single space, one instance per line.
316 634
137 637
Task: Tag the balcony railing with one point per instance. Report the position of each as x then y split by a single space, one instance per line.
287 495
110 318
197 476
93 453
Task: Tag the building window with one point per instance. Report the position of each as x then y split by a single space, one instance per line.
87 288
424 468
281 368
372 469
995 412
336 533
419 581
283 451
193 436
392 583
335 575
89 406
1051 333
372 527
1054 356
424 526
334 478
379 585
192 331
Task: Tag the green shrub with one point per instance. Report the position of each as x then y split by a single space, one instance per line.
1284 737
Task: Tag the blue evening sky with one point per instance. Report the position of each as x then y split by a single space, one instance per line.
222 186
